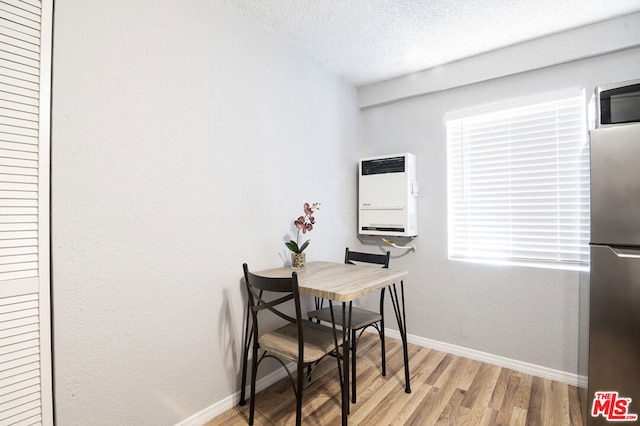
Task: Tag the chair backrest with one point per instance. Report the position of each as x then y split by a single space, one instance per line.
283 289
377 259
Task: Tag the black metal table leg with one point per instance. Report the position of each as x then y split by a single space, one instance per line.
343 369
335 341
346 333
399 310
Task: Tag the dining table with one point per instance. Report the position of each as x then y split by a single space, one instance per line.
343 284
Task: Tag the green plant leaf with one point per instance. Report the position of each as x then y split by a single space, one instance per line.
304 246
293 246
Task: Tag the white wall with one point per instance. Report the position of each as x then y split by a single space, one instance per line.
526 314
185 141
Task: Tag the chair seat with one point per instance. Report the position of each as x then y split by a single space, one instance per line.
318 341
360 318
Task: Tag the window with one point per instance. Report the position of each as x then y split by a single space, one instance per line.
518 183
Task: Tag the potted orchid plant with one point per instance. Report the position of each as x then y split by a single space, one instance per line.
304 224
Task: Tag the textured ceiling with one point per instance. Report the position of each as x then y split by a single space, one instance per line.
367 41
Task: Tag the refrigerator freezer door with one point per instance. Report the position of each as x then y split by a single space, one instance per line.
615 185
614 332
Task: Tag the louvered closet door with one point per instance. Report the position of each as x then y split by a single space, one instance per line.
25 338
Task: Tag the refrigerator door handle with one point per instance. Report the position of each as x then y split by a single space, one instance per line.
626 252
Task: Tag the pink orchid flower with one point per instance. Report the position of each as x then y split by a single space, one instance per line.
305 224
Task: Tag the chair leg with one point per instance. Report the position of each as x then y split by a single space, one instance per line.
300 376
354 344
245 355
382 349
254 371
381 333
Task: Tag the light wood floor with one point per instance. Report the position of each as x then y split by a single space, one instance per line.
446 390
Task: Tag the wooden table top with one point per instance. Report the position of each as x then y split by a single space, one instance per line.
338 281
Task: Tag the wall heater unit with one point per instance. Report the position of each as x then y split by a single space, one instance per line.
388 196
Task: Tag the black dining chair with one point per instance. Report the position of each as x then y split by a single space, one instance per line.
300 340
360 318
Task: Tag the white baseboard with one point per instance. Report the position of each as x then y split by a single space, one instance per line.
583 381
523 367
228 403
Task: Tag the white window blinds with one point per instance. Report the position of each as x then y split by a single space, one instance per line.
518 183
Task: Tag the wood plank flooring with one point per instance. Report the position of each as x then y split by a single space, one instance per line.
446 390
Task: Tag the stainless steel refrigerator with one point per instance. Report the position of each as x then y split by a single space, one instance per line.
614 300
